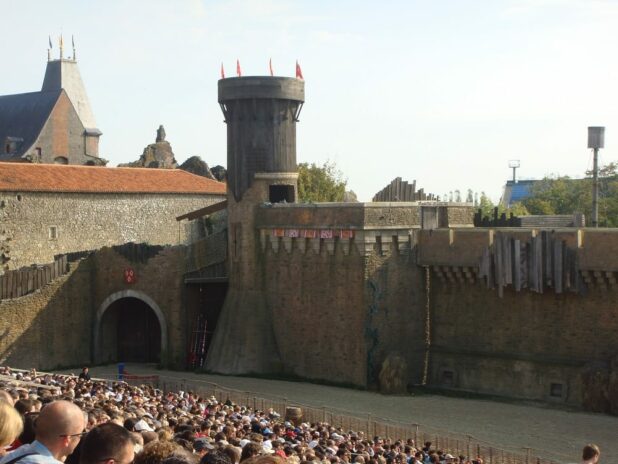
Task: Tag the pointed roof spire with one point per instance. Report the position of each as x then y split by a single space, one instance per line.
61 47
73 44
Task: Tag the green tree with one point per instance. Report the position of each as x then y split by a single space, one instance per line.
487 208
320 183
564 195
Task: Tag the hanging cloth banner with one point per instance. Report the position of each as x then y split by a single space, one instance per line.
309 233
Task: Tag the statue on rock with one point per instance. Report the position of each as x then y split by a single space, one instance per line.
160 134
156 155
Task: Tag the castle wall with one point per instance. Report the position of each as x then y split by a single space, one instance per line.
88 222
50 327
395 311
318 312
160 278
341 306
54 327
520 344
525 344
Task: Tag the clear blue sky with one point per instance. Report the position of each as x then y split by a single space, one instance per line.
444 92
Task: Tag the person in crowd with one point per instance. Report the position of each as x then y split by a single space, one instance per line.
591 454
59 428
6 397
107 443
216 457
85 375
182 427
11 425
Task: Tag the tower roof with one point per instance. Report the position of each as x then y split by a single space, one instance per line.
64 74
23 116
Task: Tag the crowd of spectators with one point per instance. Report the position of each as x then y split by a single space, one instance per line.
48 418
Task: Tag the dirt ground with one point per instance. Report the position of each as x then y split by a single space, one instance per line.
551 433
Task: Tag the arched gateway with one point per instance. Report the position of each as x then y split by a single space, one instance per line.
129 326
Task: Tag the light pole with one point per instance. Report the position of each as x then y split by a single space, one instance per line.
596 140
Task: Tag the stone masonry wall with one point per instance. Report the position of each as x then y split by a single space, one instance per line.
520 344
160 278
318 312
340 309
54 327
50 327
524 344
87 222
395 312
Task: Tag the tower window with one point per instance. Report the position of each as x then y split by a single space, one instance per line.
281 194
53 233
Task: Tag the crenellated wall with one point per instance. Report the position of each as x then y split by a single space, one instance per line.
344 289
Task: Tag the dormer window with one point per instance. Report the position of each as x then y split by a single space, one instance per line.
12 144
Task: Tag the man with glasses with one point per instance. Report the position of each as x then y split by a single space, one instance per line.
108 444
59 427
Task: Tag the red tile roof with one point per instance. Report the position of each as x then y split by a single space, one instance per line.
28 177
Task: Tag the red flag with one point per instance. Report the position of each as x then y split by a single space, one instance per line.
222 72
270 66
299 73
238 68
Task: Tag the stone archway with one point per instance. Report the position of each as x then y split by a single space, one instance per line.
113 298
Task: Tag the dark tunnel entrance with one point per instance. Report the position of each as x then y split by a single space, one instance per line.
205 301
130 332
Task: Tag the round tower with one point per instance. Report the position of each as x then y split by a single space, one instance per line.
261 114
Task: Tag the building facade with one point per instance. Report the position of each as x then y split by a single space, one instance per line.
54 125
47 210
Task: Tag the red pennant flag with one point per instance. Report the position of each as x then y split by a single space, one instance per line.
270 66
238 68
222 72
299 73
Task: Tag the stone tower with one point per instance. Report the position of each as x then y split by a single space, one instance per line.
261 114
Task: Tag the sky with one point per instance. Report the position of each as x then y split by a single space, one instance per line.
444 92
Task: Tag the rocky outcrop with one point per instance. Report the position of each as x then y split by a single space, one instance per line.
199 167
156 155
220 173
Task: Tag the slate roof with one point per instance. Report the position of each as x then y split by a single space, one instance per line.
29 177
23 115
